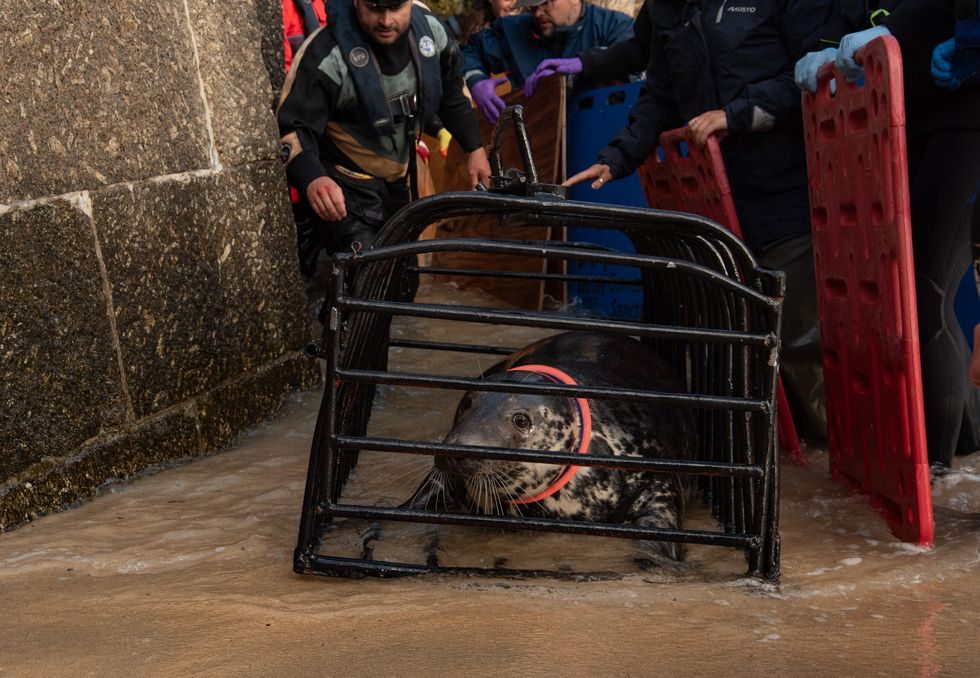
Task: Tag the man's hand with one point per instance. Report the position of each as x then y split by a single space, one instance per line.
805 72
942 68
486 99
548 67
850 44
951 67
598 173
478 167
326 199
707 124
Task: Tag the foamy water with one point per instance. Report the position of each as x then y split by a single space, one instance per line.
188 572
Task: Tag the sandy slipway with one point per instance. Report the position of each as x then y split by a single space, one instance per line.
188 572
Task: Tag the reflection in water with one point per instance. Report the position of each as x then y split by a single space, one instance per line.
925 639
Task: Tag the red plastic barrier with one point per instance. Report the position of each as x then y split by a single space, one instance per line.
696 182
863 253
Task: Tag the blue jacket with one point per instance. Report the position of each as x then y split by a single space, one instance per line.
511 43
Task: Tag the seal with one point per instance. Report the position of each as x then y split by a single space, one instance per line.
576 425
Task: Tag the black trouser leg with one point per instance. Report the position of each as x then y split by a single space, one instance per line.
308 239
944 171
800 365
369 203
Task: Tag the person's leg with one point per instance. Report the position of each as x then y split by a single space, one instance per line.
367 210
943 182
309 237
800 366
975 362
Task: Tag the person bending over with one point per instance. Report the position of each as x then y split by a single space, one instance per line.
358 95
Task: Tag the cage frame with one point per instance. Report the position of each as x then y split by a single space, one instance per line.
379 284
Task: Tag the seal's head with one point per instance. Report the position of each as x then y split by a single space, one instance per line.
596 426
514 420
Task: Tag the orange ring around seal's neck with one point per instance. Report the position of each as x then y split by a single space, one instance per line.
585 432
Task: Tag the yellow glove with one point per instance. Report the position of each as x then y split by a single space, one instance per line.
444 138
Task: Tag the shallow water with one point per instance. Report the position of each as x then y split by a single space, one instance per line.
189 572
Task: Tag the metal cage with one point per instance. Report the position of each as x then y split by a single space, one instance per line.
708 309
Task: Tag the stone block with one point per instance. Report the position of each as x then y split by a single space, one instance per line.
60 380
204 280
94 96
268 15
238 404
64 482
235 78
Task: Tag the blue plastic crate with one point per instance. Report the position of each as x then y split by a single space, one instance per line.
593 118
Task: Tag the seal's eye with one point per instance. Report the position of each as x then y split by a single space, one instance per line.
521 421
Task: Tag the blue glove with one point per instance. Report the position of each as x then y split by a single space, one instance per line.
850 44
951 67
805 73
486 99
548 67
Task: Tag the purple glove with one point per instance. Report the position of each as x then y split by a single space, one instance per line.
548 67
486 99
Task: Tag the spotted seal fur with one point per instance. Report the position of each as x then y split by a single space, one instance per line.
540 422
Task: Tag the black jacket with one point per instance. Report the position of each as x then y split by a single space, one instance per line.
735 55
918 26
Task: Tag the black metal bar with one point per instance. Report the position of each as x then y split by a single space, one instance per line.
319 475
555 252
413 219
515 116
638 464
769 504
477 384
446 346
334 475
544 524
518 275
531 319
336 566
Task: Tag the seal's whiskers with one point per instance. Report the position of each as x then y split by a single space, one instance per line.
411 476
504 481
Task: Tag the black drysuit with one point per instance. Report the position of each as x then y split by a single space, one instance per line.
329 121
943 135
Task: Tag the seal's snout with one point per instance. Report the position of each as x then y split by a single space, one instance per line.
453 465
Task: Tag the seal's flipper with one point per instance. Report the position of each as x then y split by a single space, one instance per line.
662 512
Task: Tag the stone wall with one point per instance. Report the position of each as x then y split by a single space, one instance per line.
150 301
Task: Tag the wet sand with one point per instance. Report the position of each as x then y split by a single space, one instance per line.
188 572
